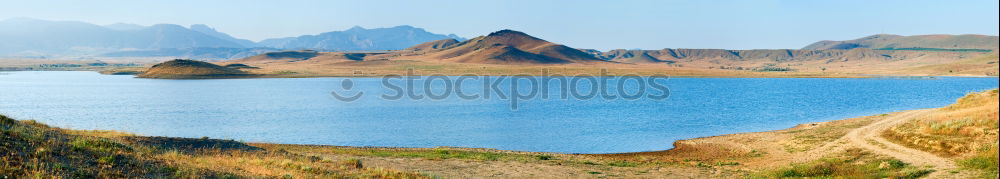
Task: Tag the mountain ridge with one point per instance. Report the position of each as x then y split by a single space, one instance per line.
891 41
358 38
27 37
205 29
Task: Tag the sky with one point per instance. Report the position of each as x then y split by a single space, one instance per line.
603 25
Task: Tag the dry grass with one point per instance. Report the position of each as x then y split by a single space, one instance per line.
83 65
463 154
279 164
441 153
95 133
852 163
477 162
966 130
958 129
123 71
983 65
809 138
31 149
747 151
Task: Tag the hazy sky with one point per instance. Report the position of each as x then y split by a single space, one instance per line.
648 24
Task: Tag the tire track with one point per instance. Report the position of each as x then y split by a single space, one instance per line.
869 137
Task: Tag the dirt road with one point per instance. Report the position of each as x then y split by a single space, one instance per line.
869 138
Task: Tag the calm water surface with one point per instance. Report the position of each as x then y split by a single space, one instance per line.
302 111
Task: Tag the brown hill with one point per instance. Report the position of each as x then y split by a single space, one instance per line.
434 45
190 69
509 47
304 56
980 65
284 55
632 56
889 41
503 54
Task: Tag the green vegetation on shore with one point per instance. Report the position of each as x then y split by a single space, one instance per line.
984 161
853 163
33 150
443 153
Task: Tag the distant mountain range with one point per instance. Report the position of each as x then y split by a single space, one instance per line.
211 32
194 52
25 37
31 37
889 41
358 38
875 47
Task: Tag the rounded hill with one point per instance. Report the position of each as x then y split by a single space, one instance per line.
508 47
191 69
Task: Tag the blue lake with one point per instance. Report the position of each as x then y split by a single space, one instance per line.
303 111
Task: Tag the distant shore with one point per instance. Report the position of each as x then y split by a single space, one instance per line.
379 68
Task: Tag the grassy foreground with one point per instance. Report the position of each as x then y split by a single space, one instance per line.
853 163
965 131
31 149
